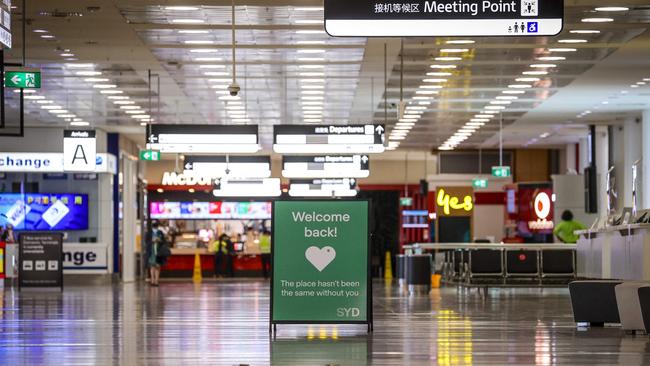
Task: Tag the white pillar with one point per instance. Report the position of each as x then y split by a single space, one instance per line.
570 159
602 166
632 136
644 184
129 218
583 158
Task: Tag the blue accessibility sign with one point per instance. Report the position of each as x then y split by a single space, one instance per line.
532 27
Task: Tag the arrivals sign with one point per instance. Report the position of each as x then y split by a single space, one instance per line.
443 18
320 262
40 260
79 150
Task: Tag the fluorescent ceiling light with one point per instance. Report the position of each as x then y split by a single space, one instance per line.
584 31
311 66
88 73
312 92
198 41
506 97
123 102
311 51
312 98
104 86
66 116
34 97
188 21
181 8
51 107
138 111
479 120
40 31
118 97
439 73
79 123
454 50
483 116
434 80
572 41
430 86
312 80
527 80
47 36
58 111
612 8
111 91
448 58
500 102
551 58
312 74
443 66
44 101
80 66
495 107
426 92
203 50
543 66
540 72
461 41
130 107
311 59
562 49
96 80
597 20
193 31
519 86
67 54
313 120
208 59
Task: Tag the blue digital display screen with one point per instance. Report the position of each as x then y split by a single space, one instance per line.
44 211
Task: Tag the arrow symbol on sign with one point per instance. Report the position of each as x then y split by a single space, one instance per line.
364 159
15 79
153 138
379 129
188 166
146 155
352 181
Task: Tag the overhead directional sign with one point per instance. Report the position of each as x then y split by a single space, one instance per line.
79 150
233 187
203 139
501 171
149 155
326 166
26 79
443 18
323 187
231 166
5 23
329 139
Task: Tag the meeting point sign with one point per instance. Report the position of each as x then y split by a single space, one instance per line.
320 262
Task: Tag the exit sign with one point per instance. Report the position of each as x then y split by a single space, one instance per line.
501 171
149 155
406 201
479 183
24 79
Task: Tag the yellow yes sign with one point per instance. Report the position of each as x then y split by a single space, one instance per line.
455 201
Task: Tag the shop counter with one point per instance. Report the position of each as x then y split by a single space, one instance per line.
181 263
617 252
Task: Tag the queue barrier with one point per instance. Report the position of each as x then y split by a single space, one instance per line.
468 263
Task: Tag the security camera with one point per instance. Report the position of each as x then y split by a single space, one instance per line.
234 89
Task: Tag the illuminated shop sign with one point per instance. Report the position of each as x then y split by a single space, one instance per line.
443 18
542 209
455 201
36 162
182 179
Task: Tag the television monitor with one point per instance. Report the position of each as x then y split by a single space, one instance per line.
44 211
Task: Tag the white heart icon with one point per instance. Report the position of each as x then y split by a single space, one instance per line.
320 258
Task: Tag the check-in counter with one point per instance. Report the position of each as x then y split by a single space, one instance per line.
617 252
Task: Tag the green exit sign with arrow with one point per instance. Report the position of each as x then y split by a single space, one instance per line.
149 155
24 79
479 183
501 171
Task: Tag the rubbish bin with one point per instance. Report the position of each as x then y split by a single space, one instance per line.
418 273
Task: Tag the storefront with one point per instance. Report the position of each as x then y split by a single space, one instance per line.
193 220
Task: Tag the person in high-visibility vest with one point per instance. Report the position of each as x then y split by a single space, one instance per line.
222 248
265 249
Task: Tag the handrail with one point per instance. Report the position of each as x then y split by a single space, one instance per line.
515 246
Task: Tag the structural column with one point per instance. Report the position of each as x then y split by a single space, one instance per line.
644 184
129 218
632 136
602 166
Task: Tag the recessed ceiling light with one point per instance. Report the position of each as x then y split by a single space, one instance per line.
572 41
535 73
208 59
513 92
34 97
448 58
111 91
310 42
519 86
118 97
597 20
562 49
454 50
506 97
434 80
198 41
439 73
181 8
212 66
311 66
40 31
193 31
96 80
104 86
500 102
44 101
79 123
125 107
527 80
67 54
188 21
430 86
612 8
88 73
47 36
543 66
552 58
311 59
123 102
426 92
311 51
203 50
584 31
483 116
460 41
443 66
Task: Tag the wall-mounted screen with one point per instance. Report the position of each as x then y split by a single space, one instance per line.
211 210
44 211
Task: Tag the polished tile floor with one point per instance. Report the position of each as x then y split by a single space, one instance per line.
226 323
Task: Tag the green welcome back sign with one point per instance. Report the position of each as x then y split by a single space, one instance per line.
320 262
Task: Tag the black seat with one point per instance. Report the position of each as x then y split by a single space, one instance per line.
594 301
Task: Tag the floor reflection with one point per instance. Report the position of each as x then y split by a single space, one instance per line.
226 323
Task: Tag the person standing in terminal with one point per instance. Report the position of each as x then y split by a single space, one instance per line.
8 235
265 249
158 253
564 231
222 255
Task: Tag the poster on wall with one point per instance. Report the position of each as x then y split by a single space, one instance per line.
44 211
40 261
321 263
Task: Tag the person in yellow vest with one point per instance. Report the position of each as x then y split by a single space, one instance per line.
265 249
221 248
